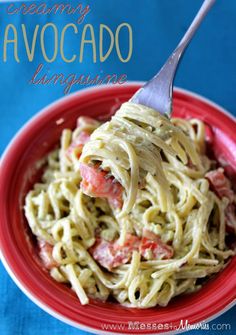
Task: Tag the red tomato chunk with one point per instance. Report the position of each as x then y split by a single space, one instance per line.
96 183
45 253
158 249
220 184
111 254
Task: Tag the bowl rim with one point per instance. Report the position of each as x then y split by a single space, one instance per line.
7 266
81 326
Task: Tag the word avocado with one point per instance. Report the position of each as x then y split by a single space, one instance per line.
119 40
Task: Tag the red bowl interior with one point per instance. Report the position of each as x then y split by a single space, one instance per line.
18 173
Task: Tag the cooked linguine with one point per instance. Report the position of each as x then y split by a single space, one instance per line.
132 209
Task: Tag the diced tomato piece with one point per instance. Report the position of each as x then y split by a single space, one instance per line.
45 253
123 253
132 242
220 184
96 183
152 242
159 250
112 254
102 252
78 143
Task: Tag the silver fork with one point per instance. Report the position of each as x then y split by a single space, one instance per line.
157 92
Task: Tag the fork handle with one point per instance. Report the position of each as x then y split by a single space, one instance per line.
157 93
172 63
206 6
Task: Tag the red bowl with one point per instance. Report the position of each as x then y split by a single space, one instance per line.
19 172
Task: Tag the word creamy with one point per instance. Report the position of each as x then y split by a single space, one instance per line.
44 9
50 32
